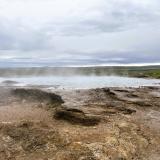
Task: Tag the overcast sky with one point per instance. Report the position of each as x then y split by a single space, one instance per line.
80 32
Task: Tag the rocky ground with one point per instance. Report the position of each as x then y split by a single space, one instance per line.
96 124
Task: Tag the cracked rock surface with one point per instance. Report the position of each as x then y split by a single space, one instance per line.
96 124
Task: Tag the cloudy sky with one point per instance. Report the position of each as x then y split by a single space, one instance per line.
79 32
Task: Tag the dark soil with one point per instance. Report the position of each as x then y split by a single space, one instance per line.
37 95
75 116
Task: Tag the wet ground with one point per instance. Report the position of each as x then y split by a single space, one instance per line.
89 124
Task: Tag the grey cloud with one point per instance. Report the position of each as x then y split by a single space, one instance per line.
15 36
121 16
79 36
123 57
76 58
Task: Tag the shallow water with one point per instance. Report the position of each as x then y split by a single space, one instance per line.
82 82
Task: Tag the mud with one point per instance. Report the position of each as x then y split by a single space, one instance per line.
9 82
37 95
96 124
75 116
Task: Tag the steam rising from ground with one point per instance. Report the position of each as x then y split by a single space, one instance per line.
70 71
79 77
80 82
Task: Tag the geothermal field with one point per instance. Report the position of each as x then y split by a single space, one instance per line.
72 115
79 79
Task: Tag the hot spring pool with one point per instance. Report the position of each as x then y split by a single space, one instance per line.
81 82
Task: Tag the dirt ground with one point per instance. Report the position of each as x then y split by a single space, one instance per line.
96 124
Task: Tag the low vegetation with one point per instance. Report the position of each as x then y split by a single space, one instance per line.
142 72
